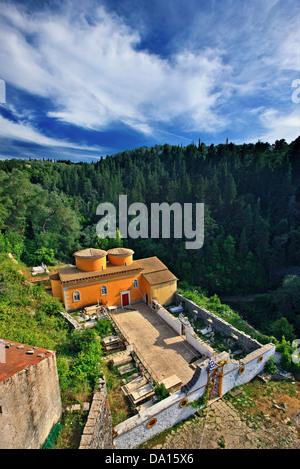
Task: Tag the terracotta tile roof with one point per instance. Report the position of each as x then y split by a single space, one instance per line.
90 253
152 268
151 264
18 356
163 276
73 274
155 271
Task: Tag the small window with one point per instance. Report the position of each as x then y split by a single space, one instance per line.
183 403
76 296
151 423
135 283
103 290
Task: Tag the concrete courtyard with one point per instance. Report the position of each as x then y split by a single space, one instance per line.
161 348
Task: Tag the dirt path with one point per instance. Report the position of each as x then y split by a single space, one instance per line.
222 427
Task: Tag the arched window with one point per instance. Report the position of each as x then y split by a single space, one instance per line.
103 290
76 296
135 283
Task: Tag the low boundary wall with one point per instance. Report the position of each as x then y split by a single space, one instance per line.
97 433
73 323
140 428
190 336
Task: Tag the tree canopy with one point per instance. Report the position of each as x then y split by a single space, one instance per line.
251 196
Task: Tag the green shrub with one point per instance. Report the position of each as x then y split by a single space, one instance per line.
104 328
161 392
270 366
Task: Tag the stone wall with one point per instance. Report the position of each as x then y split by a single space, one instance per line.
97 433
197 343
165 414
246 343
190 335
240 372
73 323
173 409
167 317
30 405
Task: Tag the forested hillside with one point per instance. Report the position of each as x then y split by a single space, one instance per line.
251 194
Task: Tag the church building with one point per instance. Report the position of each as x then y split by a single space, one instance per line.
112 278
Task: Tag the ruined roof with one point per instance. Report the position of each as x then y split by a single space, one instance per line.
120 252
90 253
14 357
73 274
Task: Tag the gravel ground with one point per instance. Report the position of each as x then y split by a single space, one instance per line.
267 423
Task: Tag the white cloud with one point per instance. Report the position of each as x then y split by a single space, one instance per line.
26 133
280 125
94 74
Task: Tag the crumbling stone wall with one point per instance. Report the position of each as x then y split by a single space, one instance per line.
246 343
71 321
97 433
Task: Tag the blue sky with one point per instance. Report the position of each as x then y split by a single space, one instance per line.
89 79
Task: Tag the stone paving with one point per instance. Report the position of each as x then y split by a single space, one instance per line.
221 426
159 345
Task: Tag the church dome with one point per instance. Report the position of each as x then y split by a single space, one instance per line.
120 256
90 260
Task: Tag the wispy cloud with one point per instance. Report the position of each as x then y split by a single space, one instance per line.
100 68
25 132
277 123
94 74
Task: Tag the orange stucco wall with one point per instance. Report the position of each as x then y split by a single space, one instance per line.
90 293
120 260
56 289
91 265
146 288
164 292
